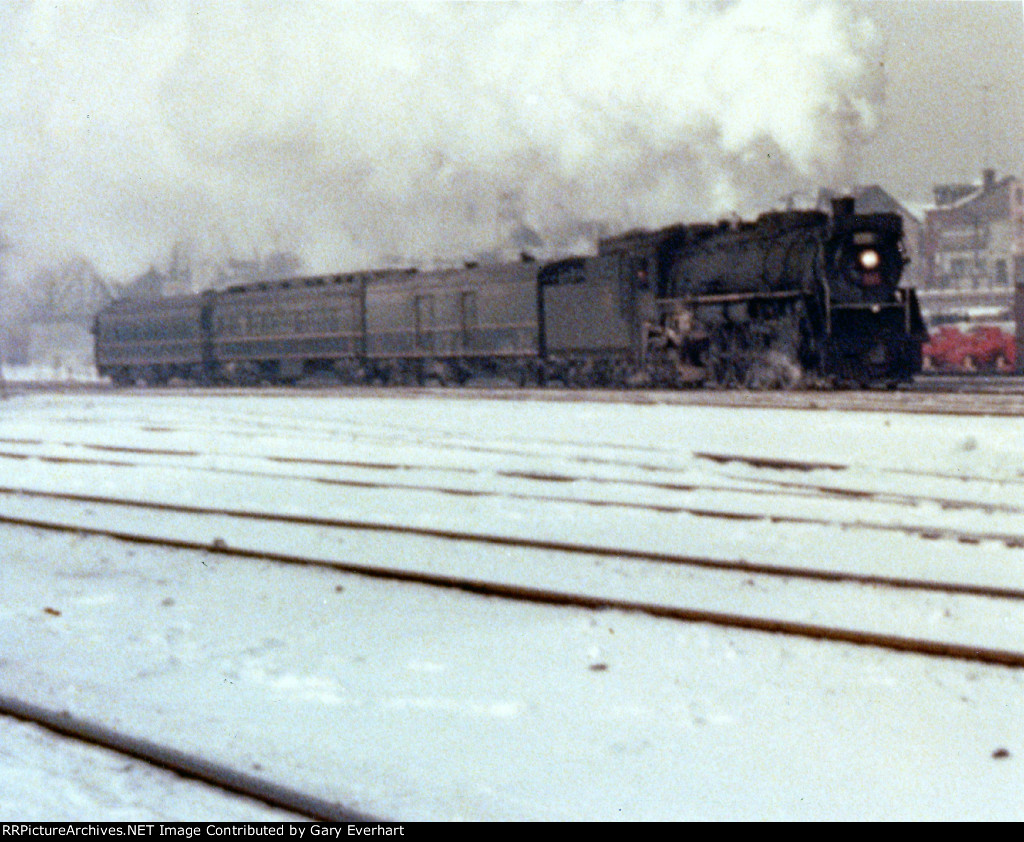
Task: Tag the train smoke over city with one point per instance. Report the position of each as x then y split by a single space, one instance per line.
350 134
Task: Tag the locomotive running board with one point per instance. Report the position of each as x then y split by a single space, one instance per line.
726 298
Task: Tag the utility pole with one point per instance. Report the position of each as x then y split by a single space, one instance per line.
986 128
4 247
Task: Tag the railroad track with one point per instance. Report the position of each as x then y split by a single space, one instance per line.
646 480
295 804
962 394
585 518
765 487
659 460
86 524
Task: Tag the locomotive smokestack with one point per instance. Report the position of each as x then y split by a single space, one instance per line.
842 207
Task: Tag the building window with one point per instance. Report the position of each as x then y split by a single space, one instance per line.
1002 279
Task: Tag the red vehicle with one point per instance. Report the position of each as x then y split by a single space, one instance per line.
982 348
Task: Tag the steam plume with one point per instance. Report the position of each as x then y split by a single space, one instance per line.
346 132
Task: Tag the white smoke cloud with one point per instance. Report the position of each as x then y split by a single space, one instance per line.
346 132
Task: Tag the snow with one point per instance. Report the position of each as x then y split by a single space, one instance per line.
102 785
411 702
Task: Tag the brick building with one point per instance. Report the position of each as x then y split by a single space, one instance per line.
973 249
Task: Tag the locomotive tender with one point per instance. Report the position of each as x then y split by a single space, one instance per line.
792 298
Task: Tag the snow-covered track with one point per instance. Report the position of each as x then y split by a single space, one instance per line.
761 486
997 395
219 545
301 805
310 569
188 537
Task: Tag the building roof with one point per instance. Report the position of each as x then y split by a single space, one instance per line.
871 198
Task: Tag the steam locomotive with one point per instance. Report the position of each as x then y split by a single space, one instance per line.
790 299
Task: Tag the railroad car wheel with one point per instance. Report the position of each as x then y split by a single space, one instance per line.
122 377
530 376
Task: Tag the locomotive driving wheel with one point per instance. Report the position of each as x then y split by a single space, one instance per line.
728 355
775 362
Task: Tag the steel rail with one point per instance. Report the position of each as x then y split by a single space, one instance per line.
928 531
770 463
1005 398
547 596
543 544
183 763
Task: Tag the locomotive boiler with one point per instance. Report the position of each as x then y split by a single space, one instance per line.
796 297
790 299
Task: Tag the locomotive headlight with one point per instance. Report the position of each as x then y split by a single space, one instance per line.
869 259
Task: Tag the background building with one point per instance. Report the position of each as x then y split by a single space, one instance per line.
973 250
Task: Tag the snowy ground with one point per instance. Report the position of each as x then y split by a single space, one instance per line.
409 702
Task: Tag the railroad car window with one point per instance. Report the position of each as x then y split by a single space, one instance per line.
467 311
424 320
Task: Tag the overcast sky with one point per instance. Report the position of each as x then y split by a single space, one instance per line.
350 133
954 97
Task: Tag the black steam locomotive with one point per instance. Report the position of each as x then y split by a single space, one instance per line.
793 298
